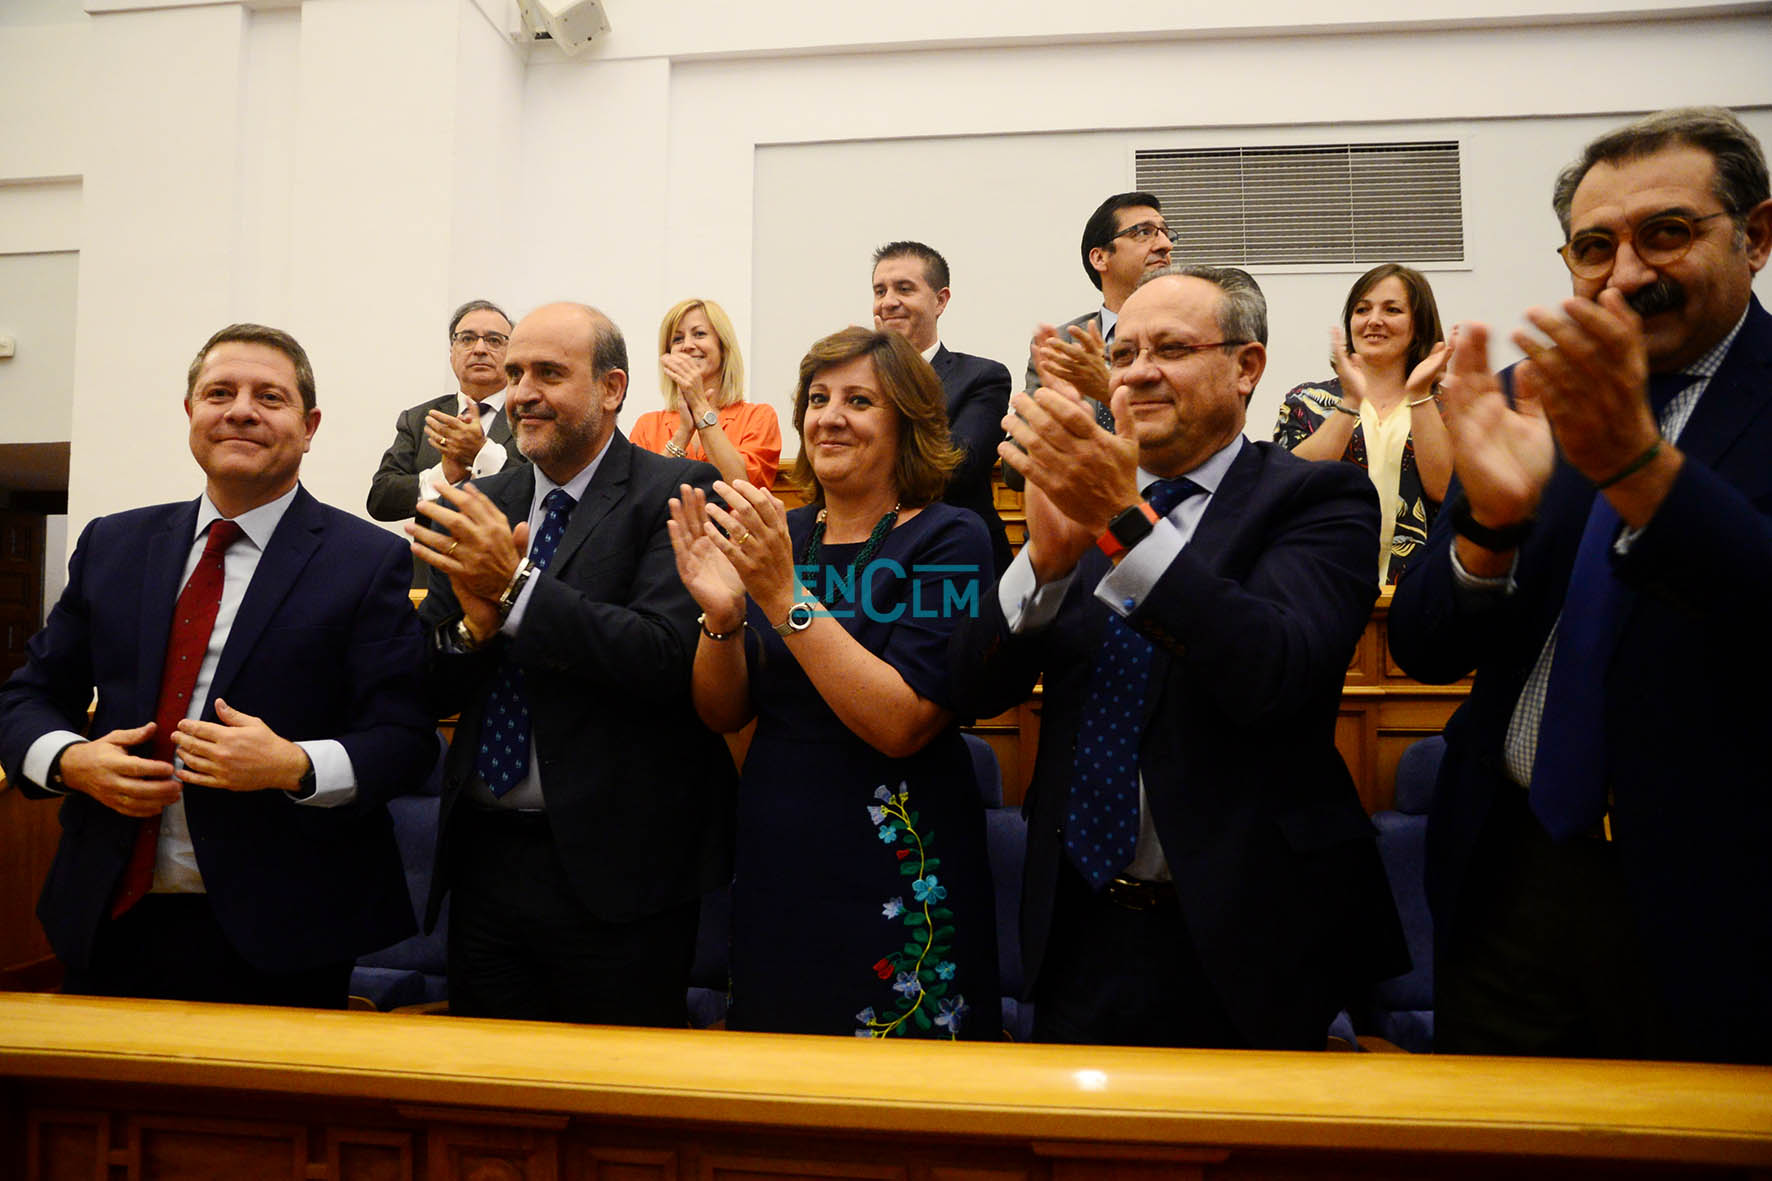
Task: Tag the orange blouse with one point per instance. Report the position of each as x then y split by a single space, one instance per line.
751 427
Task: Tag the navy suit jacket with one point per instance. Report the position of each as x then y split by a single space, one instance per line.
325 645
977 390
1254 623
1687 766
639 793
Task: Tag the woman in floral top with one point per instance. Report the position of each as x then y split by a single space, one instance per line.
1380 410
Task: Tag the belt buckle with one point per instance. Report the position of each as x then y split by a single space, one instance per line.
1132 893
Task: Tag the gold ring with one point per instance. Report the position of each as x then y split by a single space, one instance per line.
742 538
450 552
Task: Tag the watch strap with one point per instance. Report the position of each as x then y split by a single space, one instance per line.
1500 540
1129 527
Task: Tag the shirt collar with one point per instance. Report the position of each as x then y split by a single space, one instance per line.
1208 475
929 353
1707 365
258 523
1108 320
575 487
496 401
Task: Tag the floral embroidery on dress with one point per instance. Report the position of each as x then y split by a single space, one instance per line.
919 970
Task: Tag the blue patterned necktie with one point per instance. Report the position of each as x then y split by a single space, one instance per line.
1101 829
503 759
1568 793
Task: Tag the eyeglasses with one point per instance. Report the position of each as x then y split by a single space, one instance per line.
494 340
1125 356
1144 231
1658 241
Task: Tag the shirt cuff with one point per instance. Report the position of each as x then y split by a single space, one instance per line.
335 780
514 620
1028 606
1127 584
1474 591
490 461
40 756
428 481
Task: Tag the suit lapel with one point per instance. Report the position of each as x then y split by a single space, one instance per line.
163 568
605 491
291 546
501 429
1211 544
1740 392
943 363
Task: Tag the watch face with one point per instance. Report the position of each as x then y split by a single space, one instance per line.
800 616
710 418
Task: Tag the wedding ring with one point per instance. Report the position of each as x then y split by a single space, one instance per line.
450 552
742 538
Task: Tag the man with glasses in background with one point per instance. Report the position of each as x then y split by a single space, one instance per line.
454 437
1597 860
1200 871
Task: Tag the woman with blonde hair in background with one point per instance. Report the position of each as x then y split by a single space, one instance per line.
706 416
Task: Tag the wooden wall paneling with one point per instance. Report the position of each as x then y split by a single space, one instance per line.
366 1154
471 1145
742 1166
599 1162
67 1145
178 1148
30 830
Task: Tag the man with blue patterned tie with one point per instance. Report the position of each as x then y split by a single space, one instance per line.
1200 871
585 809
1596 853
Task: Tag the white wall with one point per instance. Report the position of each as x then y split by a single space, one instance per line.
37 296
351 169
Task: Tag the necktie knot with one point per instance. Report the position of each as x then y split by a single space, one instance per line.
1164 495
222 534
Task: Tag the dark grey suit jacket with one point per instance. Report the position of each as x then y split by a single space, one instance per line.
639 794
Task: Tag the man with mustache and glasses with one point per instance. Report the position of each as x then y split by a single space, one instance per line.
1597 865
462 434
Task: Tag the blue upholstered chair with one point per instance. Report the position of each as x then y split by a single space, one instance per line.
1401 1009
412 971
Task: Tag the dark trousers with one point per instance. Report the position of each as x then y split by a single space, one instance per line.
1544 957
522 945
1123 977
169 947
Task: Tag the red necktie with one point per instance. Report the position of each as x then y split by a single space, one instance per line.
192 621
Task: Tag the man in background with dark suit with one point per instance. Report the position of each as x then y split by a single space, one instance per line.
1200 871
586 810
1597 859
223 831
456 436
910 293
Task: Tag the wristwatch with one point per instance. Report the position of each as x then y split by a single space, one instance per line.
519 578
1129 527
1501 540
799 619
711 418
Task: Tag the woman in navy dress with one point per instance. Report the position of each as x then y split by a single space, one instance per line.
862 900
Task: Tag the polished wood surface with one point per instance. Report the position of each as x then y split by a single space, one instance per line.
1096 1100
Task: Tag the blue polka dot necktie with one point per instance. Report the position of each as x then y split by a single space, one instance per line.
1568 792
1101 829
503 760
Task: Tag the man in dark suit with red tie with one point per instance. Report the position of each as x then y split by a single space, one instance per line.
1597 861
1200 871
255 662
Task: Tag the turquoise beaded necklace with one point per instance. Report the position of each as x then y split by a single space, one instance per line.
882 527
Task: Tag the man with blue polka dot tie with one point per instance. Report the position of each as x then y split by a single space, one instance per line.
585 808
1200 870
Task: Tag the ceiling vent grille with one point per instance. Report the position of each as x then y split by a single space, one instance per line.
1317 205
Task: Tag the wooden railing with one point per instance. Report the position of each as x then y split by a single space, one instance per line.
155 1089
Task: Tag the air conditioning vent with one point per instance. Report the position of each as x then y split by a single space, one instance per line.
1322 204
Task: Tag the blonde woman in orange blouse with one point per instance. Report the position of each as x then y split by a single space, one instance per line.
706 417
